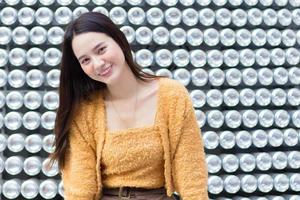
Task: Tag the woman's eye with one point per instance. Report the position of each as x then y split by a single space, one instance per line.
84 61
101 49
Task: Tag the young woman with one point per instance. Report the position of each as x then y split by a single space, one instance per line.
122 133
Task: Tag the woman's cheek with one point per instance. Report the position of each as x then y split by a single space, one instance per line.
87 70
109 57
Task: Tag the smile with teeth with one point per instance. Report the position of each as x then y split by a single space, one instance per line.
106 70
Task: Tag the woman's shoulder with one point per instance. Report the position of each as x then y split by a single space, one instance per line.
91 99
173 87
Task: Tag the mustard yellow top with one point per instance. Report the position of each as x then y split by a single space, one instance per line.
183 154
133 158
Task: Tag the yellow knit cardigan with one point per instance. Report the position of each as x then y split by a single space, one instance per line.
184 159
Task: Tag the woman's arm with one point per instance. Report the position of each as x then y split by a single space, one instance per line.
79 172
189 167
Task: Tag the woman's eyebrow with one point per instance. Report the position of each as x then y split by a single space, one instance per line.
94 48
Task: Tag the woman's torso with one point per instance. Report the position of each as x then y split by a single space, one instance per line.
133 158
133 154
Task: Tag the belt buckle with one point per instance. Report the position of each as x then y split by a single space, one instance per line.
128 195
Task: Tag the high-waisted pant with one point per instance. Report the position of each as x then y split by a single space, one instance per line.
135 194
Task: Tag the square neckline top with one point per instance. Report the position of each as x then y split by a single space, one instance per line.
140 128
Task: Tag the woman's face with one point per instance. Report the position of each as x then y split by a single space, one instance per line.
100 57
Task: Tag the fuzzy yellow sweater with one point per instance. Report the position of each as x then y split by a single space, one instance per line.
184 159
142 148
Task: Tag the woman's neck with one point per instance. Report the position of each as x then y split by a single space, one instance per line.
125 87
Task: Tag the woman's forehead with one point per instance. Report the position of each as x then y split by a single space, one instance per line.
85 42
89 37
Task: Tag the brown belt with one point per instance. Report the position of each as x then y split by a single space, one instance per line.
128 192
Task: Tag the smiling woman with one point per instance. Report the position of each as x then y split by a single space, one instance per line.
120 132
98 61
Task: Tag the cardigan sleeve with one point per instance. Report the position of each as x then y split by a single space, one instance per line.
79 172
189 170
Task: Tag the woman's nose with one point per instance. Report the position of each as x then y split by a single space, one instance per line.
98 63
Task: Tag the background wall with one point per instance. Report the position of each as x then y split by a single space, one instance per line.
238 58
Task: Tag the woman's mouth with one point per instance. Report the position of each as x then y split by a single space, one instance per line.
106 71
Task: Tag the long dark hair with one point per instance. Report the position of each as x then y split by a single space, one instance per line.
75 85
